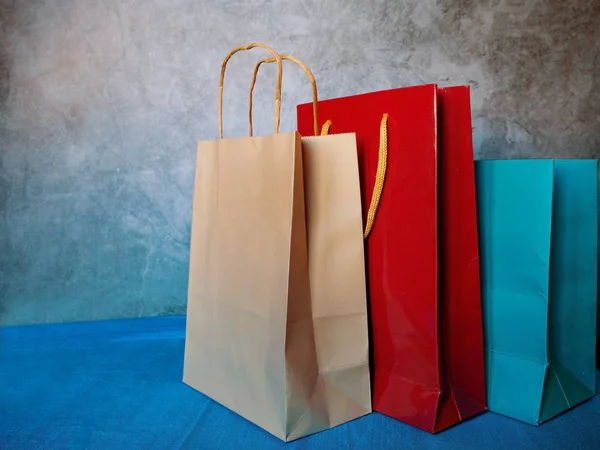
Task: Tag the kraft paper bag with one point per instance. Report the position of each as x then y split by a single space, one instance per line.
256 342
337 272
538 228
250 339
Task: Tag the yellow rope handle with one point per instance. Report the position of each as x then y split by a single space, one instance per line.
379 175
277 58
310 76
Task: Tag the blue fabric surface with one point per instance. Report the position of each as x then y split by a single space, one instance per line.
117 385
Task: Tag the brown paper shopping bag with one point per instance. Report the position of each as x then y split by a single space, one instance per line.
252 338
336 267
249 337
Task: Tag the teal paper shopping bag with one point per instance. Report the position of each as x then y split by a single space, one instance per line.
538 227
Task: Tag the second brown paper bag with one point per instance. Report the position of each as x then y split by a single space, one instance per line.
336 265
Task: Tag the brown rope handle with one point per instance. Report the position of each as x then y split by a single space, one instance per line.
310 76
277 58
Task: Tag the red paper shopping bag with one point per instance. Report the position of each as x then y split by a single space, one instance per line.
422 257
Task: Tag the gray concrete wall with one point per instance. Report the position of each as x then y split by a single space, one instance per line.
102 102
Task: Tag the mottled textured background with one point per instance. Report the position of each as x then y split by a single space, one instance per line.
102 102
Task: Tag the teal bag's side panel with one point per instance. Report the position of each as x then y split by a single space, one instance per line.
514 207
573 286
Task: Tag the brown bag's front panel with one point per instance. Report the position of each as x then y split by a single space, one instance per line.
337 272
328 339
239 275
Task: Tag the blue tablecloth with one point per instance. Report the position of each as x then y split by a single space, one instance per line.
117 385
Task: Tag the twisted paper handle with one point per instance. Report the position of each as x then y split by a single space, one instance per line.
379 175
310 76
382 158
276 58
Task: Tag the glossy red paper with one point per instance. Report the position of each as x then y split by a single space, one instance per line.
459 293
426 335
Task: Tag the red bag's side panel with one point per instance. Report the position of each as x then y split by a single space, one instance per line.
460 296
402 248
